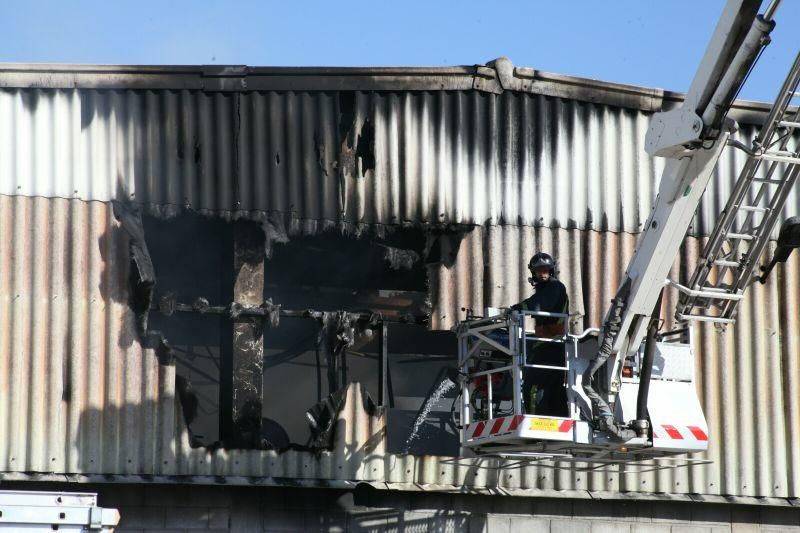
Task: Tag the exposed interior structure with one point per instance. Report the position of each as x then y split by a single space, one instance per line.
282 328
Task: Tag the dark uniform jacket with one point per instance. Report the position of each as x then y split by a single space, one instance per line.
551 297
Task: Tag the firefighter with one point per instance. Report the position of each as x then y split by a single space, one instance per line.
543 390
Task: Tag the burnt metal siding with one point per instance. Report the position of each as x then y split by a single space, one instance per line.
80 395
464 157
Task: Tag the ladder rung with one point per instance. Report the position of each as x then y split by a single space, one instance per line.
706 295
753 208
725 263
714 289
741 236
701 318
779 157
789 124
765 180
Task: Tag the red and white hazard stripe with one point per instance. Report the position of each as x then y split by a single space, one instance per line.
687 433
495 426
565 426
504 425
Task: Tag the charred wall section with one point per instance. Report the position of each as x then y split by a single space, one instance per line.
326 301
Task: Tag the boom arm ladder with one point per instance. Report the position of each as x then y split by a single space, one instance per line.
745 226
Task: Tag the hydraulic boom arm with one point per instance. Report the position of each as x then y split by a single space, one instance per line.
691 138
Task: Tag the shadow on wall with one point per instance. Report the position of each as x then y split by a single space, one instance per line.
157 507
151 439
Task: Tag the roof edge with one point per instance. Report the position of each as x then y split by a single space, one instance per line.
495 77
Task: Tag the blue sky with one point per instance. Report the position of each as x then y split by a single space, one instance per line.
652 43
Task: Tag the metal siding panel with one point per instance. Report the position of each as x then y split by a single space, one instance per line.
73 379
790 356
457 157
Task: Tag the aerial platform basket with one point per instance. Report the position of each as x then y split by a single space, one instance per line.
494 356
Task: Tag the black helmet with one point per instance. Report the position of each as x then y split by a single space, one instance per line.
542 260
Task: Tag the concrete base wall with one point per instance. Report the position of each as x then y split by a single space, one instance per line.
218 508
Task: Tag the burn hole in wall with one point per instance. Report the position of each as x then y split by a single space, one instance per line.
192 257
380 275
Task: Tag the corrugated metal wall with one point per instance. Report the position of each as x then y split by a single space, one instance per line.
80 395
449 156
76 385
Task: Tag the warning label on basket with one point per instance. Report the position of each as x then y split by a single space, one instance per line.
544 424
